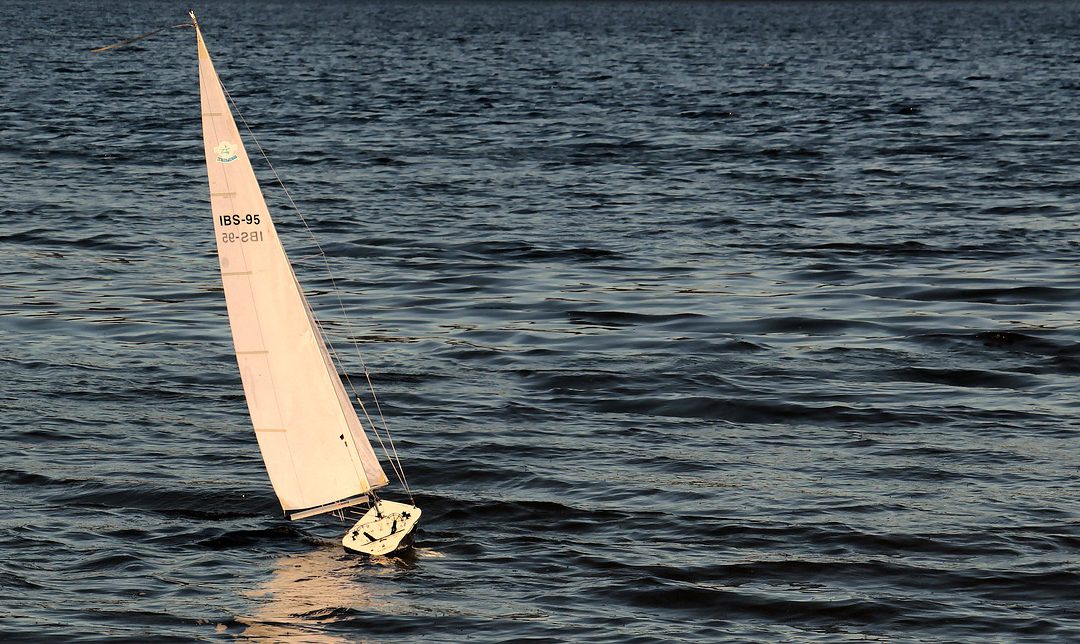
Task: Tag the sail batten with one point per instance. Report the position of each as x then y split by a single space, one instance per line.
314 447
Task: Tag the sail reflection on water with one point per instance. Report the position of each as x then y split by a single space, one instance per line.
307 592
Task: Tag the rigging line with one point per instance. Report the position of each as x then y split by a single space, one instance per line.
391 455
337 293
332 370
311 234
321 253
378 408
395 463
98 50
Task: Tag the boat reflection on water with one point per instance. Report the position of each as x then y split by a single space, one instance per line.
309 592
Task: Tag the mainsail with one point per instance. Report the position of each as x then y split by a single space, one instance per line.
312 442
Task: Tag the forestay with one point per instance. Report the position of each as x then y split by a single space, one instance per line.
314 446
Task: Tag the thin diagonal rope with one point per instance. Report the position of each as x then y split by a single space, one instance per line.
392 455
378 409
123 43
395 462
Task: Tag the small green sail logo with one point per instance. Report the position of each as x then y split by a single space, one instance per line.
226 152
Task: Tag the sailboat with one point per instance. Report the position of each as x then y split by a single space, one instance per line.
313 443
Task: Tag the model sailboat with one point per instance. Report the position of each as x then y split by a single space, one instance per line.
312 441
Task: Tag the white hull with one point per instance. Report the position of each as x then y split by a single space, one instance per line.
386 528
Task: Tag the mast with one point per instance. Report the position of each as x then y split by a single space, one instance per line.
312 442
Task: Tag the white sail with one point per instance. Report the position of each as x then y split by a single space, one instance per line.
312 442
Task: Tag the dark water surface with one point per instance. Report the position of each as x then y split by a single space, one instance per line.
713 322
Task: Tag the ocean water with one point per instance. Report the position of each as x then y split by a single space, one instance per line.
734 321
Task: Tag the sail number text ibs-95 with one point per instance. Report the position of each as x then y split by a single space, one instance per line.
229 237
